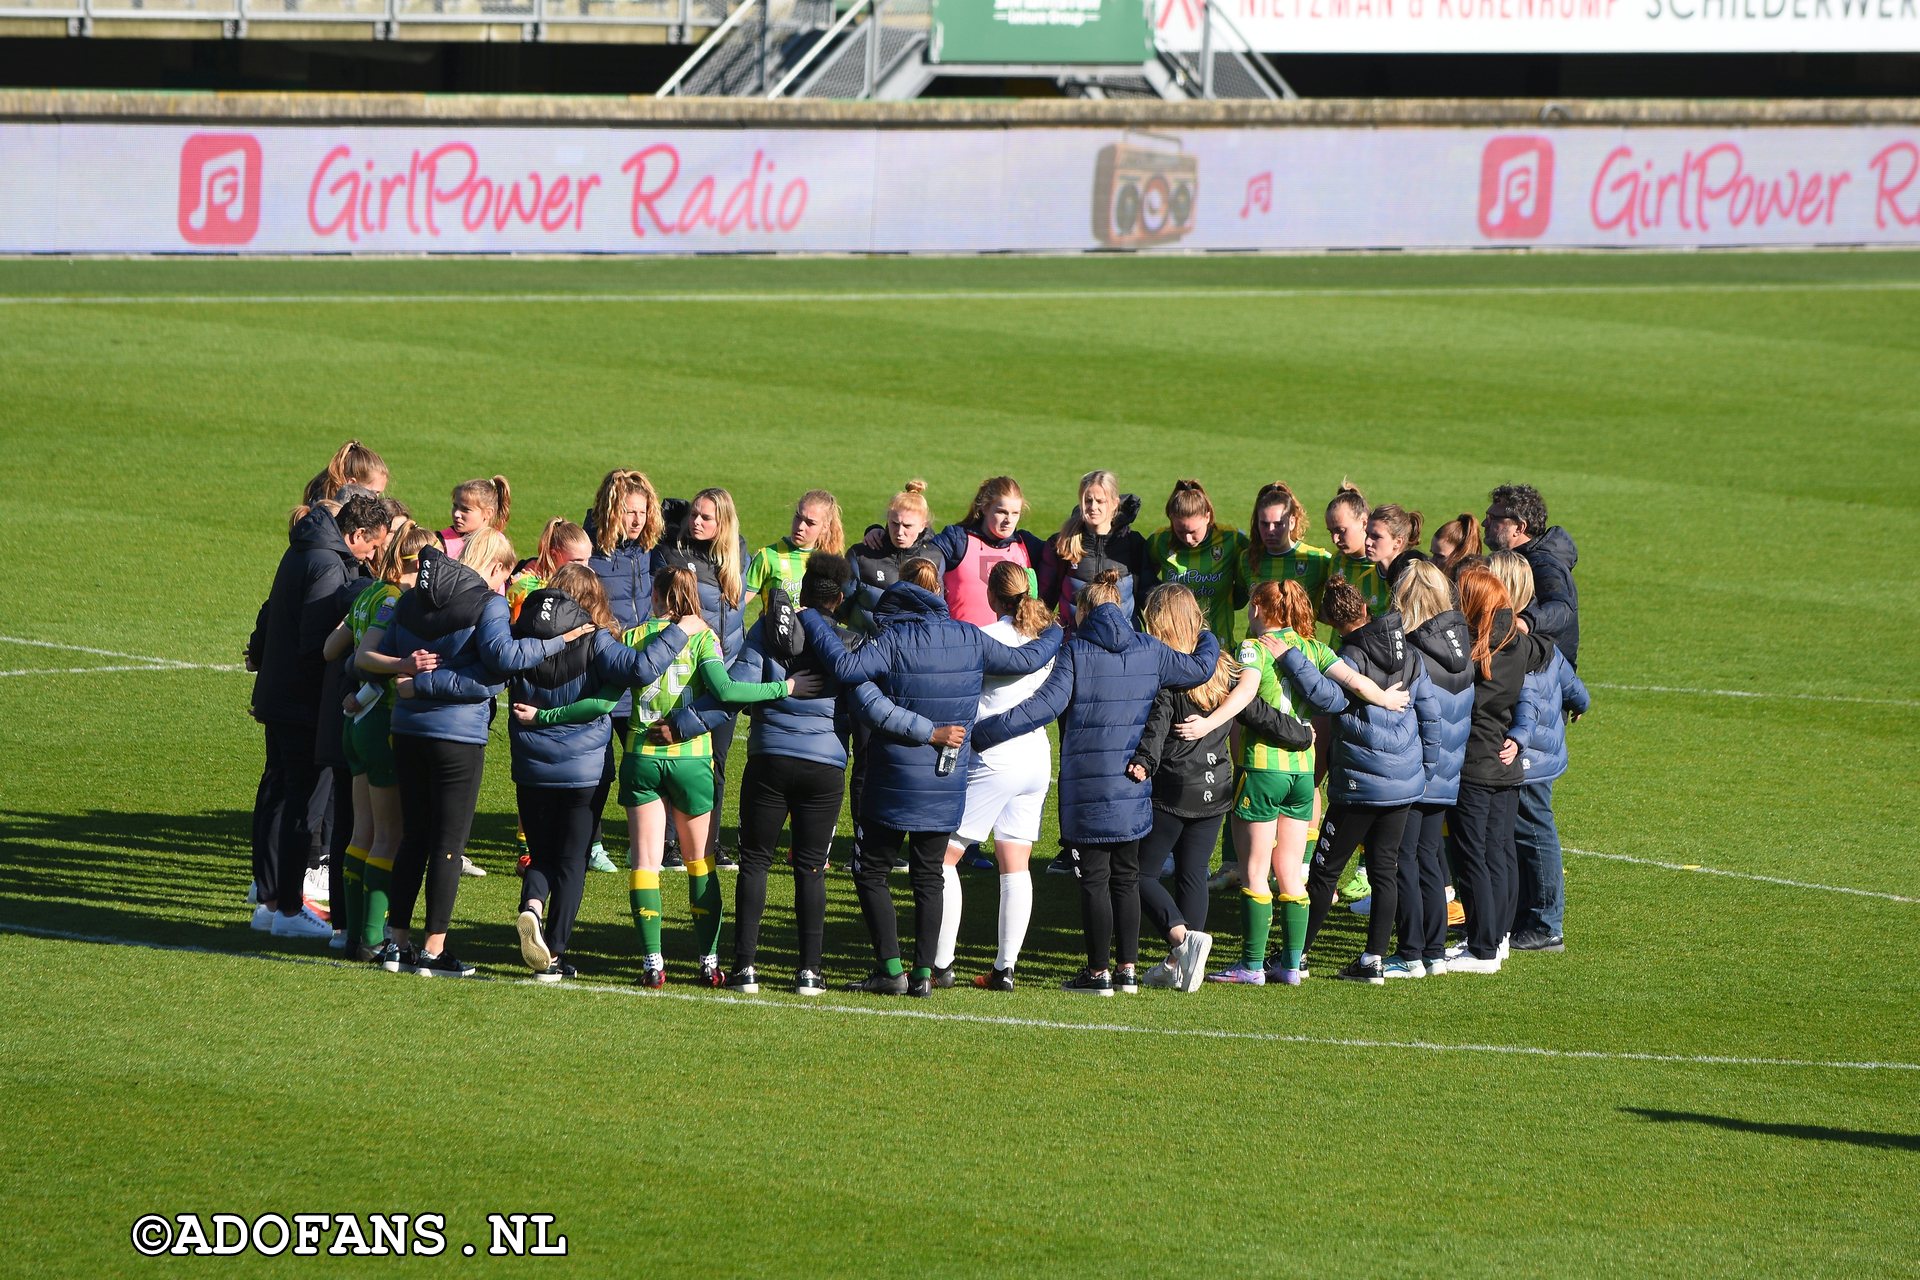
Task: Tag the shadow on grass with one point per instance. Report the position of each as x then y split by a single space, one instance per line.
1806 1132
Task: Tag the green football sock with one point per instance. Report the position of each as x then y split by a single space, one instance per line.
1293 928
1258 909
893 967
704 901
644 893
378 876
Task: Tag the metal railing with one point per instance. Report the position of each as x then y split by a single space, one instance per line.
822 45
1227 66
681 17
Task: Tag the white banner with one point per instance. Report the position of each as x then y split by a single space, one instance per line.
1555 26
172 189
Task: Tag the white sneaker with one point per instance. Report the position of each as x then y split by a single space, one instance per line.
263 919
468 867
1189 959
1472 964
338 942
1161 977
315 885
1455 951
1395 967
253 893
1361 906
1436 968
1504 939
304 925
533 944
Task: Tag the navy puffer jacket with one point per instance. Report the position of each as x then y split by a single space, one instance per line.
313 588
1377 763
875 571
1443 701
1102 686
451 611
1555 612
1551 693
1120 547
729 621
570 755
627 574
931 666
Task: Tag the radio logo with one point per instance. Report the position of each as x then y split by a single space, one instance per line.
1146 190
1516 188
219 188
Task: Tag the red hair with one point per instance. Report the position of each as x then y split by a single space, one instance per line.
1482 597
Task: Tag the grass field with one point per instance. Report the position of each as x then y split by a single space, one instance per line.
1721 1074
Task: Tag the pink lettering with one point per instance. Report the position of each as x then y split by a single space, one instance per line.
1886 197
636 164
343 218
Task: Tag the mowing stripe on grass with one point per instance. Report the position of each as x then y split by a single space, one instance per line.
1755 693
145 662
952 295
1740 875
103 653
799 1005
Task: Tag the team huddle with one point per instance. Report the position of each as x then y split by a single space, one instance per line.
1377 723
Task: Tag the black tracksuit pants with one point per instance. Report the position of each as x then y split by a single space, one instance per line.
559 825
1190 841
1109 876
1422 917
773 790
439 787
609 766
1489 863
287 832
1342 830
926 869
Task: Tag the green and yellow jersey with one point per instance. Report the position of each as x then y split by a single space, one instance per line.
1365 577
1307 565
780 565
1259 751
519 589
372 610
1212 571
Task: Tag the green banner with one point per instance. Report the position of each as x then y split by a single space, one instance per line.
1043 31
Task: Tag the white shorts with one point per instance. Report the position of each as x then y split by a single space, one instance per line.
1003 803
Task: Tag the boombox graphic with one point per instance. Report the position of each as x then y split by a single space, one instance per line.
1145 191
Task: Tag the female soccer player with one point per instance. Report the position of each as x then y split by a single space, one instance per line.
1456 540
562 542
1199 553
1393 542
1100 689
1443 700
558 738
932 666
969 550
1006 788
1376 775
658 770
1491 775
625 525
477 505
1347 526
367 739
815 527
704 539
440 726
907 536
1273 792
1185 752
1098 536
1556 696
1277 551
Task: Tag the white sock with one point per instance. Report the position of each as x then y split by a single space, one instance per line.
1367 957
1016 909
949 917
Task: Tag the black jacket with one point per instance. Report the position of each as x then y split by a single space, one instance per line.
313 588
1496 702
875 571
1195 779
1401 563
1555 611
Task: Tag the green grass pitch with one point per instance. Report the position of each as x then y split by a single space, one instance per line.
1718 1076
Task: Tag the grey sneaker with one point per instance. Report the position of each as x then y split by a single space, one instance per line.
597 860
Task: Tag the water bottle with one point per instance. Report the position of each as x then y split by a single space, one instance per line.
949 757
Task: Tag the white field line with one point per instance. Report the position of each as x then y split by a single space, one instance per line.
1741 875
1755 693
1043 1024
954 295
135 661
